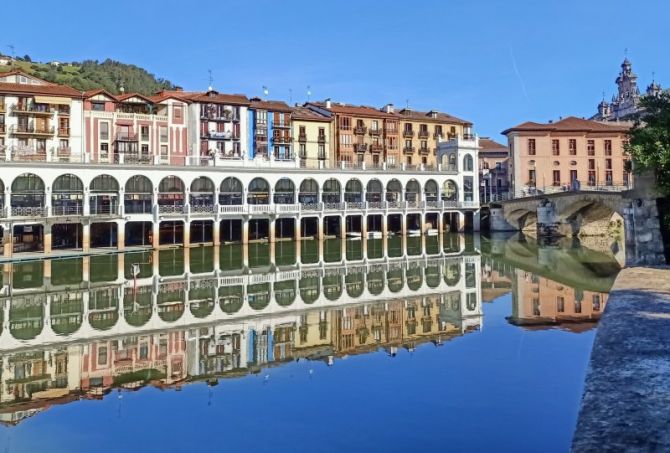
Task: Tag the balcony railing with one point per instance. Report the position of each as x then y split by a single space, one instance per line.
123 136
31 129
376 148
408 150
302 137
63 131
281 139
424 134
222 135
360 130
21 211
360 147
3 128
225 116
437 135
408 133
30 109
468 136
282 124
375 132
424 150
67 210
321 139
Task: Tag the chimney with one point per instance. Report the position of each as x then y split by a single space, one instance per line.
329 104
388 108
178 89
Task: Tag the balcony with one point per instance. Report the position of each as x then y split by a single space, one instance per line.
3 128
360 147
62 152
212 115
31 109
437 135
468 136
321 139
63 131
375 132
408 150
302 137
408 133
31 129
281 124
424 134
376 148
281 140
221 135
125 136
360 130
424 150
28 154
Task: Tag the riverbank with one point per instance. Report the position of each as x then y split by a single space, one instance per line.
626 401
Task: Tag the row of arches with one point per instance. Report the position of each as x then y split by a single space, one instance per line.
67 192
66 311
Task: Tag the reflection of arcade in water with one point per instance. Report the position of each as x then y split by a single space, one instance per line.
91 327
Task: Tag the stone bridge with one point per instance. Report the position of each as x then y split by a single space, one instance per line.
588 213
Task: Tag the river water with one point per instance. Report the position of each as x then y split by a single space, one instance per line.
460 343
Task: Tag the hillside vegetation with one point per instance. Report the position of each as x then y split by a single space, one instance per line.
91 74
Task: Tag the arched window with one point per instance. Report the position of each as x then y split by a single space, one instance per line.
430 190
171 191
468 163
393 190
373 191
284 191
67 195
412 190
452 162
138 195
104 198
331 191
202 192
353 191
27 191
259 192
309 192
231 191
449 191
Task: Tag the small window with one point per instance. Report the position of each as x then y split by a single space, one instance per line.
531 146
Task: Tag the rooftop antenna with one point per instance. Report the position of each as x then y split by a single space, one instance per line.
290 96
407 103
309 92
211 80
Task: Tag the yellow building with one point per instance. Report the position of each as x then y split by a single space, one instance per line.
311 132
420 132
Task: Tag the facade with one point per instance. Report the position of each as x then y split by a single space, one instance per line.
493 170
420 133
312 137
568 154
135 129
361 135
270 130
39 121
625 104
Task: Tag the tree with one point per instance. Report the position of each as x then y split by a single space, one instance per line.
26 57
649 144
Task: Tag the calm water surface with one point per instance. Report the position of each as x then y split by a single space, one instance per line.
456 343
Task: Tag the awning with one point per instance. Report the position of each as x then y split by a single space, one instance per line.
52 100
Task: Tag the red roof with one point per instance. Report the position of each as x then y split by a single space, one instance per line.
486 144
439 117
47 90
303 113
212 96
275 106
570 124
354 110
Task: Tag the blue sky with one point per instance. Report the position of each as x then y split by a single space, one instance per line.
496 63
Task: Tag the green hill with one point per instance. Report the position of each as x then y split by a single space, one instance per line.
91 74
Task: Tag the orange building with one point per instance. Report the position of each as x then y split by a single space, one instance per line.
569 153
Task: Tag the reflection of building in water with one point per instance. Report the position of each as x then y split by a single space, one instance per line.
495 280
539 301
67 336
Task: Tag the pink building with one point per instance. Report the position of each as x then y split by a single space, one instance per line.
132 128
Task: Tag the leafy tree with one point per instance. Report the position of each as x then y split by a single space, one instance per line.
649 143
26 57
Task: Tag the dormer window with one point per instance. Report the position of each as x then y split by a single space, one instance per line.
98 106
432 114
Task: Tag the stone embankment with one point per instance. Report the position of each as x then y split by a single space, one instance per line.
626 402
